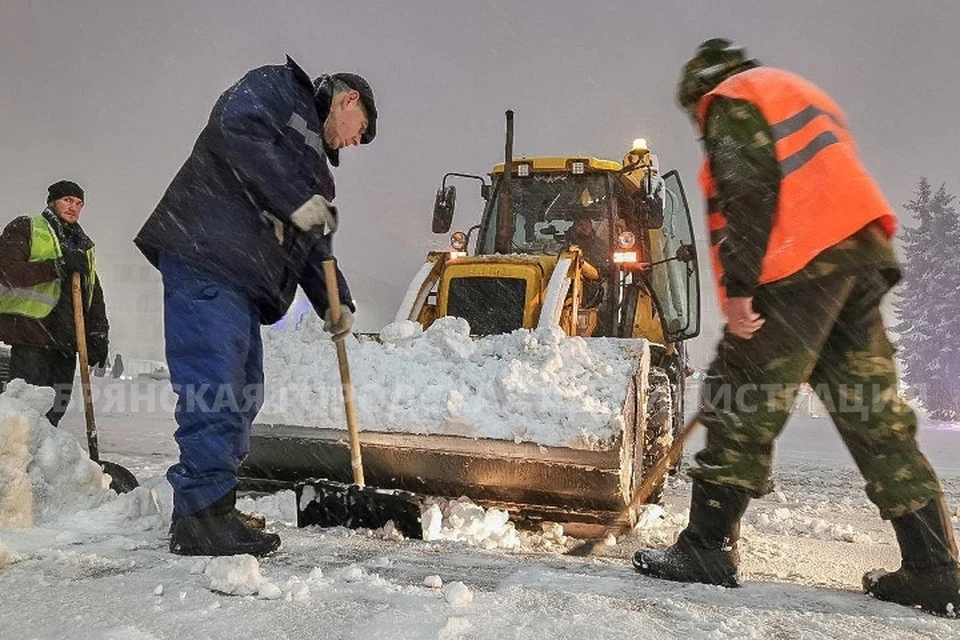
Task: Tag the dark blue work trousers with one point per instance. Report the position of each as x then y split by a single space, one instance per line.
215 355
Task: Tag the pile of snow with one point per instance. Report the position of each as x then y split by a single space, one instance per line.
42 470
536 386
465 521
462 520
47 479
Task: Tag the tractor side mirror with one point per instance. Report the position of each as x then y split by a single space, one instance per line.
443 206
686 253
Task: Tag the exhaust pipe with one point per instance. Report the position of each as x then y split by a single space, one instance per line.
504 238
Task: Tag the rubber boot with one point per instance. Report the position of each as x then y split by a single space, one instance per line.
706 551
219 531
928 576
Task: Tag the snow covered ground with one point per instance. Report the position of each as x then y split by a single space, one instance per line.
89 564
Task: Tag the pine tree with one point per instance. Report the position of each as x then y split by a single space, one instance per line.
929 303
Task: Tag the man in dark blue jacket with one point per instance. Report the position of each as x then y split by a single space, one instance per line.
245 220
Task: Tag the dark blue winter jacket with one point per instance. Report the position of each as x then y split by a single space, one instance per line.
227 211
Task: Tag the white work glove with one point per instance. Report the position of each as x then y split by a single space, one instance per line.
339 330
317 215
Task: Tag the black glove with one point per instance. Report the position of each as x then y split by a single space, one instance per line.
75 262
97 345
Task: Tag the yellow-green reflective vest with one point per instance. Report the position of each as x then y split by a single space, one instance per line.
40 299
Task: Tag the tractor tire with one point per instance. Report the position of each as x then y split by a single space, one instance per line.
658 435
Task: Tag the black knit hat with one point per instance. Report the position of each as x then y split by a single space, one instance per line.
63 189
362 87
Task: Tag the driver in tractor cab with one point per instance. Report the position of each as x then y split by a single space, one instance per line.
587 234
592 236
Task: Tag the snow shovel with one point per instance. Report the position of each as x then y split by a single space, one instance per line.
329 503
121 479
621 524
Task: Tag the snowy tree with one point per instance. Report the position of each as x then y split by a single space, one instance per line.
928 306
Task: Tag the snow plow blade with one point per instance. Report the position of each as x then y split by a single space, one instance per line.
532 481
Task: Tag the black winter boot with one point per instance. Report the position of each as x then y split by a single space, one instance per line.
218 530
706 551
928 576
251 520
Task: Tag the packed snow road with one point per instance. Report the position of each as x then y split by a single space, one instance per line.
103 570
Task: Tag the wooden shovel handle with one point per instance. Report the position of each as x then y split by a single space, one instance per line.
333 299
80 326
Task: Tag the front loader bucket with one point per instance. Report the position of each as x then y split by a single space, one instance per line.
532 481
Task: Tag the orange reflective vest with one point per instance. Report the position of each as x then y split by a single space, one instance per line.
826 195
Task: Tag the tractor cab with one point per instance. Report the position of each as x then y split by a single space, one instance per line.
630 227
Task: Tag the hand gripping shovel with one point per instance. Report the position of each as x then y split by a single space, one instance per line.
621 524
121 479
329 503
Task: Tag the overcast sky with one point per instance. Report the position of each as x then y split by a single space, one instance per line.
112 94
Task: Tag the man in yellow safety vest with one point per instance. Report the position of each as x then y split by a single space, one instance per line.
38 257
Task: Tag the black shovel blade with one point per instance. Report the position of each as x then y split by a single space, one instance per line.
121 479
328 503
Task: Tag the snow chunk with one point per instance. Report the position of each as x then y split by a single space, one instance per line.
400 333
234 575
353 573
270 591
296 590
276 507
649 516
457 594
433 582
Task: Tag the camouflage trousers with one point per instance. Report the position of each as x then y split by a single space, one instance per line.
827 332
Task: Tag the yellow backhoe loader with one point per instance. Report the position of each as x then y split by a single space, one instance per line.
602 249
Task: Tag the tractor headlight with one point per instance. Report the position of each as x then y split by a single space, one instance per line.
577 168
458 241
523 170
626 240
